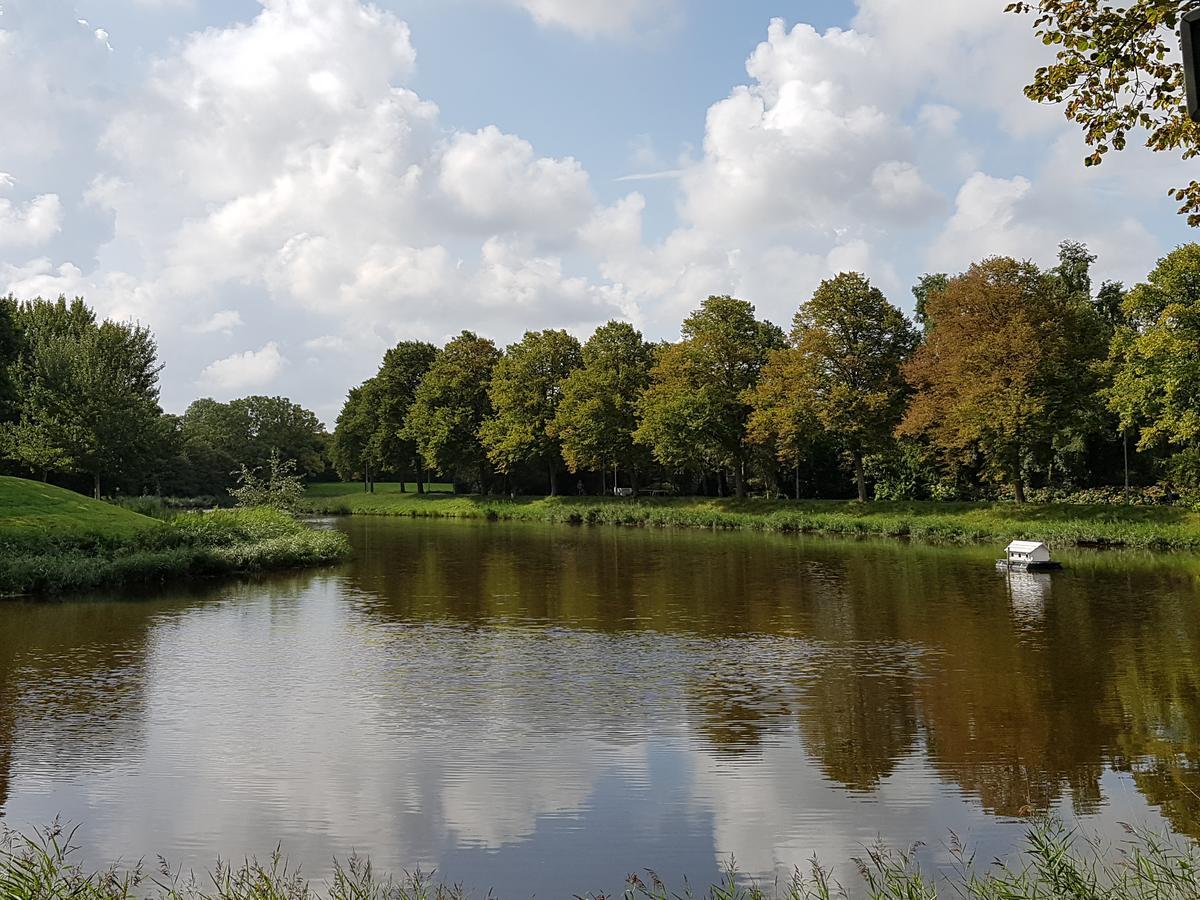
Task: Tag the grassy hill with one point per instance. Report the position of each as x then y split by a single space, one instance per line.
53 541
30 508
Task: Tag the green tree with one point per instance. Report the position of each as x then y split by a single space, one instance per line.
1009 363
88 393
1156 383
926 285
395 387
351 448
598 413
782 416
275 485
450 405
1117 70
526 389
850 344
695 412
10 354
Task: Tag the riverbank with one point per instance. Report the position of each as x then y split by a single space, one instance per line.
55 541
1054 862
1060 525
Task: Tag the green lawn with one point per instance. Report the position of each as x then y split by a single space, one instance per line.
341 489
30 508
1057 524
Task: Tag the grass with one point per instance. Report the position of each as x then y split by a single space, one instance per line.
53 541
32 509
1060 525
1054 862
338 489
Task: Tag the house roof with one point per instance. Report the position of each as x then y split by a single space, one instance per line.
1025 546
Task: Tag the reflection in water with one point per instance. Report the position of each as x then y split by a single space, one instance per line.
547 708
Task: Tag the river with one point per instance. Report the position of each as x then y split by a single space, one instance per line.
545 709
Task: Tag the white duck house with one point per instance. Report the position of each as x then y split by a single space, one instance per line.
1025 552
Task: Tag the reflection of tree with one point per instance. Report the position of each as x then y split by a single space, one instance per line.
858 725
735 714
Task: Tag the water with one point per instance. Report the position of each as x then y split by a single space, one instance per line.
543 710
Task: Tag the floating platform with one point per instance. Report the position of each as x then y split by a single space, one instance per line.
1013 565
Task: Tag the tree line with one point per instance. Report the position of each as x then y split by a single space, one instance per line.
79 402
1011 377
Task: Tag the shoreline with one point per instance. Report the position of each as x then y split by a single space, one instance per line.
1059 525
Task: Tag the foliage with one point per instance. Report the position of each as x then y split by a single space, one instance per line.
350 449
450 405
1002 399
850 344
1117 70
279 488
1156 385
527 385
88 392
926 285
392 394
597 415
694 413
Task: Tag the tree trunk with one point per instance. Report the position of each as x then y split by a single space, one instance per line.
553 480
859 477
1019 489
420 479
96 485
604 481
483 486
739 482
797 481
633 479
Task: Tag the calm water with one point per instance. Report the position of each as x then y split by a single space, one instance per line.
546 709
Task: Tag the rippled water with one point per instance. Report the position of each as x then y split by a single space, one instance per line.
546 709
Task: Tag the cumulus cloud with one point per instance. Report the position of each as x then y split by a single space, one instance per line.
28 224
222 322
592 18
245 371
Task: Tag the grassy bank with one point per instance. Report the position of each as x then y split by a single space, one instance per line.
1058 524
53 541
1054 863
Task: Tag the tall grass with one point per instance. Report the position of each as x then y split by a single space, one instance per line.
1055 863
1060 525
224 542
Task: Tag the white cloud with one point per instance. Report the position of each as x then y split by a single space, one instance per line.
28 224
592 18
244 371
221 322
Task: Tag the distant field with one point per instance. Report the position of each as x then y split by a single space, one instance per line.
341 489
1060 525
30 508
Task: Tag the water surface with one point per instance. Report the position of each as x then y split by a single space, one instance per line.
545 709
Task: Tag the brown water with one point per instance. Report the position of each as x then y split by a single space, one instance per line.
542 710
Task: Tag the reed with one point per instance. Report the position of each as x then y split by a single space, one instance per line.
1054 862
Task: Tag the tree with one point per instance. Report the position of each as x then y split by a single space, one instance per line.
926 285
1156 385
525 391
394 389
10 354
450 405
88 392
1006 366
350 449
848 345
597 415
782 415
695 412
1118 70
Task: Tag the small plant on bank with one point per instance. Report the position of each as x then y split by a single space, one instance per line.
279 488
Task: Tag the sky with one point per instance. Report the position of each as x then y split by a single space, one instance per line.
283 189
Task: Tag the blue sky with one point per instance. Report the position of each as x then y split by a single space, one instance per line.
284 188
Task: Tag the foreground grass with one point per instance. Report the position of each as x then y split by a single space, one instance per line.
1054 863
53 541
1061 525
